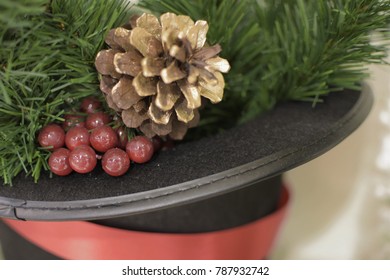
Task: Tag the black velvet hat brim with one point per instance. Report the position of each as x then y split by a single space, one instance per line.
288 136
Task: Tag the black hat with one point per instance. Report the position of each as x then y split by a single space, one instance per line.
257 151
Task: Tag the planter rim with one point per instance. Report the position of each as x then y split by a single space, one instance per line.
354 108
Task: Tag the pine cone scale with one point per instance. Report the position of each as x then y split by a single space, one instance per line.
183 112
110 40
172 73
191 94
195 121
207 53
167 95
213 92
111 103
107 83
105 63
180 23
152 67
217 64
145 43
179 130
169 38
151 24
159 116
146 129
128 63
197 34
133 119
140 107
162 130
178 52
121 38
124 94
145 86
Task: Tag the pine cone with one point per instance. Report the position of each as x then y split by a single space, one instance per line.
156 73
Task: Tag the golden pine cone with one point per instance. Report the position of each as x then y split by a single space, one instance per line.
156 73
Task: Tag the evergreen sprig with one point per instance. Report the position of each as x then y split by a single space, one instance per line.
285 49
46 65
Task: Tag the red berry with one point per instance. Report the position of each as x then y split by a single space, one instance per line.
96 120
59 162
122 137
51 135
76 136
115 162
73 120
90 105
140 149
103 138
82 159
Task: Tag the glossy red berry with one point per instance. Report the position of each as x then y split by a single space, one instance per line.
90 105
140 149
115 162
96 120
103 138
122 137
82 159
59 162
76 136
73 120
52 136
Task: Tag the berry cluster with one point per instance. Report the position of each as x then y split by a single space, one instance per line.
86 136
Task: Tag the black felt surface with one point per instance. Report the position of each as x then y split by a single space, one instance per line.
289 125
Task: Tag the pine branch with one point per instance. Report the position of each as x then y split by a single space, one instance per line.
47 66
323 46
12 12
296 49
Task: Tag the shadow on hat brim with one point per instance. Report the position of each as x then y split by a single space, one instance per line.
288 136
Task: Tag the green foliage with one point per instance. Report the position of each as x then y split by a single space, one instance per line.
12 13
46 66
284 49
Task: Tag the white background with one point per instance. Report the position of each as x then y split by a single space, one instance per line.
335 212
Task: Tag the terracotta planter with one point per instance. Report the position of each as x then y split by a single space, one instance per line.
208 229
